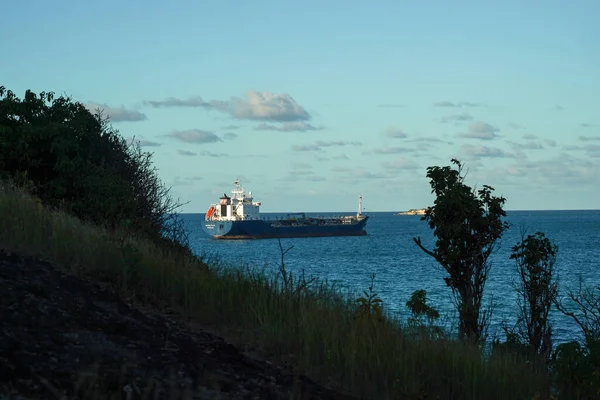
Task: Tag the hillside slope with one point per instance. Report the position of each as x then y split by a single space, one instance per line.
62 335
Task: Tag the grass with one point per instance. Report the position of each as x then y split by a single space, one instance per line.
286 317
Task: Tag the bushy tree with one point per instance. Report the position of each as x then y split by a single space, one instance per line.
535 257
76 161
467 224
577 363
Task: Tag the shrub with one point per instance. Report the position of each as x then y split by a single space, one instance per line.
74 160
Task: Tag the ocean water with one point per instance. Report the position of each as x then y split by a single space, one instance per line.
401 267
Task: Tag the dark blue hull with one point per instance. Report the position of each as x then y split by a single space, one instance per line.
259 229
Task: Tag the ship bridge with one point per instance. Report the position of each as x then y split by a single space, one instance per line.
238 207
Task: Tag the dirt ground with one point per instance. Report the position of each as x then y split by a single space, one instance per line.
65 338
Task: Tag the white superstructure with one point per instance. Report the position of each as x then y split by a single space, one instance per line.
238 207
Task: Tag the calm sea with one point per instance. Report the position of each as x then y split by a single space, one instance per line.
401 267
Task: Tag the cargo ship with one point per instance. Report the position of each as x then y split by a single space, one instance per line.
238 217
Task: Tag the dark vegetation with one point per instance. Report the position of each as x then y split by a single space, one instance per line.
535 257
466 225
73 160
75 193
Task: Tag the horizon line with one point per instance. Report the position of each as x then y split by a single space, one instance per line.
384 211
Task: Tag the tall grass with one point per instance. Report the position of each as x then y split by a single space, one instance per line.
288 317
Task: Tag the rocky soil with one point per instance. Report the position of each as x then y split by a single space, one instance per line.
65 338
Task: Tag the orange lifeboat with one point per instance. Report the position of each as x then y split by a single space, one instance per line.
210 212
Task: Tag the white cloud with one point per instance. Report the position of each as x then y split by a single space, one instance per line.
211 154
456 118
266 106
195 136
340 157
143 142
296 126
394 132
478 152
401 163
563 170
453 104
530 145
588 138
481 130
391 150
116 114
320 144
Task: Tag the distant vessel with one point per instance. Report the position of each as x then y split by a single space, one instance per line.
238 217
413 211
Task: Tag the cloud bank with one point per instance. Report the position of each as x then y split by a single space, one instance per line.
264 106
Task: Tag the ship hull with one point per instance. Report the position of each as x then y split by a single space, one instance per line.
259 229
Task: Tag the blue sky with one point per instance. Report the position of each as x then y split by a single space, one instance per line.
311 103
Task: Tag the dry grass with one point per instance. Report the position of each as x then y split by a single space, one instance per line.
313 323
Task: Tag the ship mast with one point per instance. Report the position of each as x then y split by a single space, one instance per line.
359 205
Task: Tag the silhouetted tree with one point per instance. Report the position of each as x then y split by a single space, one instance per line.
77 162
535 257
577 364
586 301
467 225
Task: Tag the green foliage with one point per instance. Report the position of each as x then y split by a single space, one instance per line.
417 304
423 315
314 330
535 257
513 345
74 160
466 225
370 306
577 370
577 365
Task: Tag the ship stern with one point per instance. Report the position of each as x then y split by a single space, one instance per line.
217 228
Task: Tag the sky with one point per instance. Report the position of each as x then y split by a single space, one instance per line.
312 103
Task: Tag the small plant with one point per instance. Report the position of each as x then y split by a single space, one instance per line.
420 309
423 315
291 285
577 370
370 305
513 343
